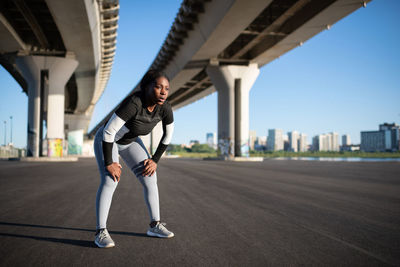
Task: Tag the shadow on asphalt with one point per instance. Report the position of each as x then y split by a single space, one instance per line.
130 234
82 243
46 226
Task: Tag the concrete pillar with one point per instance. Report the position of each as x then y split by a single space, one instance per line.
31 73
58 70
75 127
233 84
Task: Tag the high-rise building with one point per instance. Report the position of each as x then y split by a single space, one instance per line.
316 141
275 140
346 140
252 139
211 139
386 139
326 142
372 141
261 143
302 143
262 140
392 136
346 144
293 141
285 139
334 141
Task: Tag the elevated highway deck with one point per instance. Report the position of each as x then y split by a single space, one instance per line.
220 46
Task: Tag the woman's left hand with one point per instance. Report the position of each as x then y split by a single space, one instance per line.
149 167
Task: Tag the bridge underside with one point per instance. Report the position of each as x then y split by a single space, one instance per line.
36 37
210 41
256 32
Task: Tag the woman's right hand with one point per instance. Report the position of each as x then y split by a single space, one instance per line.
115 170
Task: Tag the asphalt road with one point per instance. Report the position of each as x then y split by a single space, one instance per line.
271 213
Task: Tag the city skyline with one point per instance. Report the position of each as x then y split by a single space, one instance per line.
345 79
342 136
342 139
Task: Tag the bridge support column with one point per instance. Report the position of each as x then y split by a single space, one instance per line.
46 77
32 75
75 127
233 84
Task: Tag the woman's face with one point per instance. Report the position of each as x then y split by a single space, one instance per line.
159 90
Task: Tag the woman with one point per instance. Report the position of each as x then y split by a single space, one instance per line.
137 115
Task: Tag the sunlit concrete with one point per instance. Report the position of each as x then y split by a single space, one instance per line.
233 84
86 30
59 71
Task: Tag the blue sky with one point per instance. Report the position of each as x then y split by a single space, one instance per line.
346 79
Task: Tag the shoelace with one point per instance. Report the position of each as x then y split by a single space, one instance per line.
161 227
102 235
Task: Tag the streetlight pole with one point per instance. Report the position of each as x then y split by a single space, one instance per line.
11 117
5 133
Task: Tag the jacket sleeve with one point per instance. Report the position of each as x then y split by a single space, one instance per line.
126 111
110 130
168 129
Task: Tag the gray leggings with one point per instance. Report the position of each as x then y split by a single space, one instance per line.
133 155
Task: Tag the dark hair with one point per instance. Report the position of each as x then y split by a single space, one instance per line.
150 77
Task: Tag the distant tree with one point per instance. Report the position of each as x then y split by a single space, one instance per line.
202 148
175 148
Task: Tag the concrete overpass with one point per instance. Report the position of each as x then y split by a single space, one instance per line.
61 53
221 45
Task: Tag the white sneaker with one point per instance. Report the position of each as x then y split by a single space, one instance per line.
160 231
103 239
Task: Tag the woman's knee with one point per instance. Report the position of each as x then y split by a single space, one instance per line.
108 181
149 181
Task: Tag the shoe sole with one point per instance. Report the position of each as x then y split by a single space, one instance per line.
107 246
149 233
